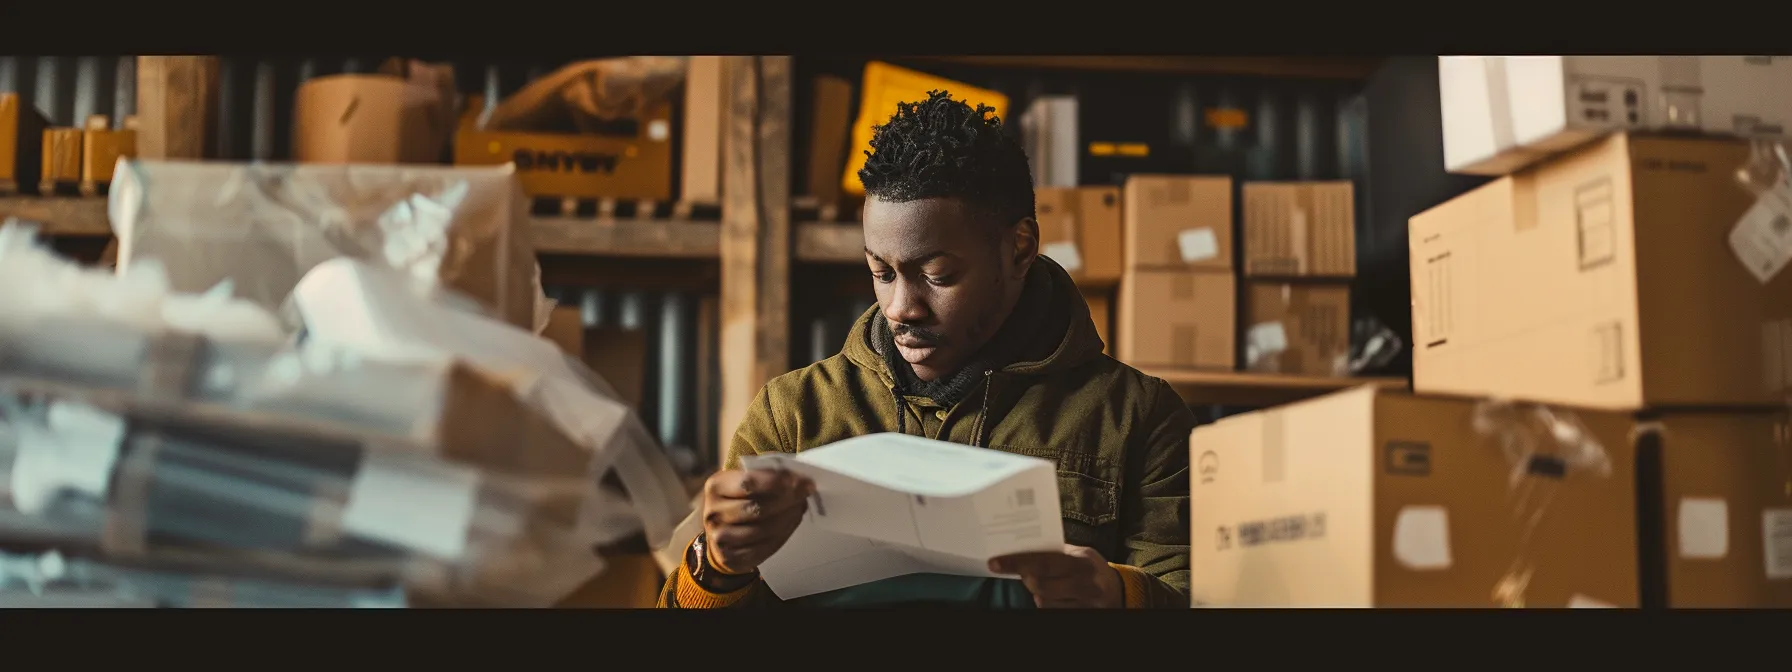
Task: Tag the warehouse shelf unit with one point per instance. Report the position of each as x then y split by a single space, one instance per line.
716 296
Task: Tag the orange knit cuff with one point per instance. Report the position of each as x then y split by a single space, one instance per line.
693 596
1134 586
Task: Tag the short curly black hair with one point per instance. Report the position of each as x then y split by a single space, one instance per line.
943 148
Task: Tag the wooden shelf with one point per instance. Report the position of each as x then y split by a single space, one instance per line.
1338 67
59 216
830 243
1239 388
653 238
663 239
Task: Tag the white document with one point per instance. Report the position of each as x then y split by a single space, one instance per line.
890 504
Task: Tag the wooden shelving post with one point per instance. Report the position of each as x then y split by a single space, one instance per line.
177 102
756 234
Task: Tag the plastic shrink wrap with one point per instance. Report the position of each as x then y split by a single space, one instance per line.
260 227
189 427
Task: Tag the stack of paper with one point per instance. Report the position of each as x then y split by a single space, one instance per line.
890 504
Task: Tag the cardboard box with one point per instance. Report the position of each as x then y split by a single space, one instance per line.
1177 221
1080 229
1531 286
1299 229
1726 508
379 119
620 356
21 143
61 158
1367 498
633 164
830 126
102 146
1182 318
566 328
1297 328
1502 113
1048 130
705 124
1101 312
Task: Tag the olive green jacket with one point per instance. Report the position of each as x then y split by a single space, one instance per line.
1118 436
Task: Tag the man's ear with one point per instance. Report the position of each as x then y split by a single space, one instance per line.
1026 245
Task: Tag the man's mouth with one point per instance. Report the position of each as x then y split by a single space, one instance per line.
915 348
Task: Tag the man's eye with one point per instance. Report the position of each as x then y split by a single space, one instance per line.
884 276
939 281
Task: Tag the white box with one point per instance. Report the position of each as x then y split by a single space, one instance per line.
1049 132
1501 113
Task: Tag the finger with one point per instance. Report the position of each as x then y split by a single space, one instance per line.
748 511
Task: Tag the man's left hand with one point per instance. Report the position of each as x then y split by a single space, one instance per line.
1076 578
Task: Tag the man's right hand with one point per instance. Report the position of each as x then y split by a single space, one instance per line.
748 515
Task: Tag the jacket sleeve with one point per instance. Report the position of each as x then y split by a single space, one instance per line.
758 433
1154 506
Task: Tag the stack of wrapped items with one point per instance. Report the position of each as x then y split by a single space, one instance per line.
354 432
1602 366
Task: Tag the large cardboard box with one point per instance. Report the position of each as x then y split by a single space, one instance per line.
1175 221
1180 318
1297 328
1725 505
1502 113
1603 278
21 144
370 119
1299 229
1080 229
1367 498
633 162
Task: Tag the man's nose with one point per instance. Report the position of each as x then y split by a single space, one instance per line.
906 305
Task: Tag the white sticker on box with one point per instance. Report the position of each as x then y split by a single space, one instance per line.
659 130
1704 528
1776 538
1579 601
422 505
1263 340
1762 239
1198 244
1065 253
1422 538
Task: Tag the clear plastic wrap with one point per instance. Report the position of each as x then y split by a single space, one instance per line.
387 382
1543 446
383 320
52 579
263 226
299 505
582 96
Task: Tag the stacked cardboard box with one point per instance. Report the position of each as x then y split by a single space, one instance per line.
1299 257
1622 294
1177 293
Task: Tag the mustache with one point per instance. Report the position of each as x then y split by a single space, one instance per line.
927 335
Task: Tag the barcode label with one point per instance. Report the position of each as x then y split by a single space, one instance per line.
1023 497
1776 538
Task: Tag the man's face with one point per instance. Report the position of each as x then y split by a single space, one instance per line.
944 280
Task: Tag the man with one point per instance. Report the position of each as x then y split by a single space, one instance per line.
978 340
